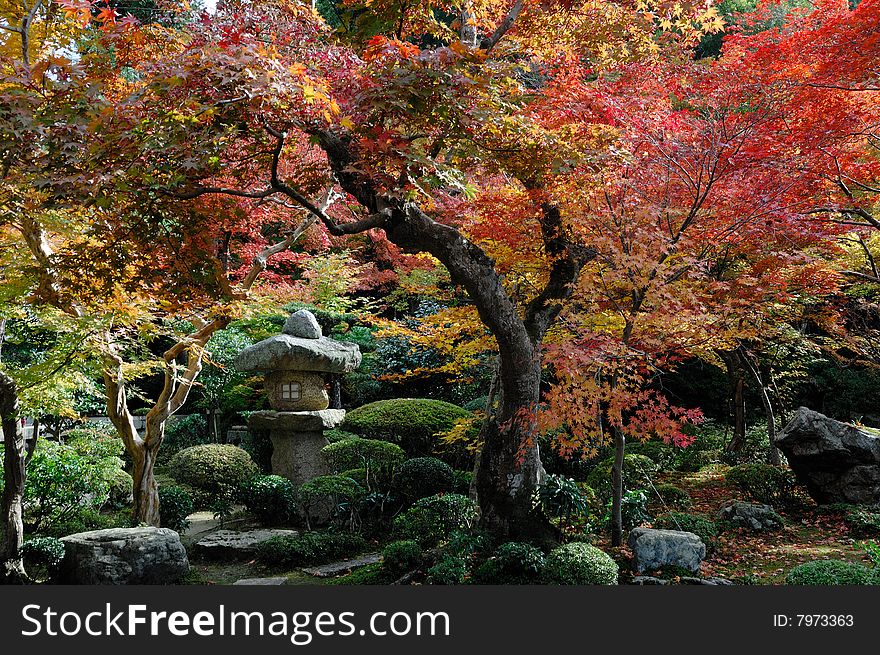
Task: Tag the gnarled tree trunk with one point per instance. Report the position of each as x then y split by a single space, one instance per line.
14 475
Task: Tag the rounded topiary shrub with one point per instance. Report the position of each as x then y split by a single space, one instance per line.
377 458
309 548
832 572
765 483
579 564
411 422
212 467
672 496
175 504
271 498
398 557
512 563
422 477
432 519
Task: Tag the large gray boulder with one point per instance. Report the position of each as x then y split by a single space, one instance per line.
120 556
233 545
838 462
750 515
656 549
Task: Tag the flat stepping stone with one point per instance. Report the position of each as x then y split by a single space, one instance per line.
255 582
336 568
228 543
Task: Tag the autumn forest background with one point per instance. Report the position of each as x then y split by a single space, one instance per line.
595 254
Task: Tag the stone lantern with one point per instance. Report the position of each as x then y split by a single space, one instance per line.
296 364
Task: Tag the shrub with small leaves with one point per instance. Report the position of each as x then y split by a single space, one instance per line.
449 570
512 563
579 564
422 477
832 572
414 423
210 467
309 548
765 483
560 497
398 557
704 528
175 504
432 519
42 557
863 522
379 459
672 496
271 498
337 493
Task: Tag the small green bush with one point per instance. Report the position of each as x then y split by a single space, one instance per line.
211 467
863 522
120 489
765 483
422 477
449 570
832 572
704 528
633 509
659 452
175 504
378 458
402 556
271 498
309 548
635 470
432 519
672 496
413 423
560 497
340 494
67 479
335 435
579 564
512 563
42 557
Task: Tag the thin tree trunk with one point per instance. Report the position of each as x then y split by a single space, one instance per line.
736 377
14 475
774 455
617 488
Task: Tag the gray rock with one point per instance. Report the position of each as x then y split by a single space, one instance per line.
233 545
710 581
838 462
284 352
655 549
120 556
337 568
646 580
260 582
750 515
302 324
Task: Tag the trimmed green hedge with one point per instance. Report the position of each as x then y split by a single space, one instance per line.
580 564
832 572
213 467
413 423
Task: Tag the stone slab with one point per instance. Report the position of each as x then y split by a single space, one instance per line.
338 568
313 421
231 544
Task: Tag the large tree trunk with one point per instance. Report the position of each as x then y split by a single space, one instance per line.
14 474
509 468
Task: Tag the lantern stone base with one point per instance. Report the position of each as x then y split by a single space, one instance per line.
297 439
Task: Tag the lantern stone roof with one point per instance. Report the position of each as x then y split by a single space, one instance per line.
300 347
